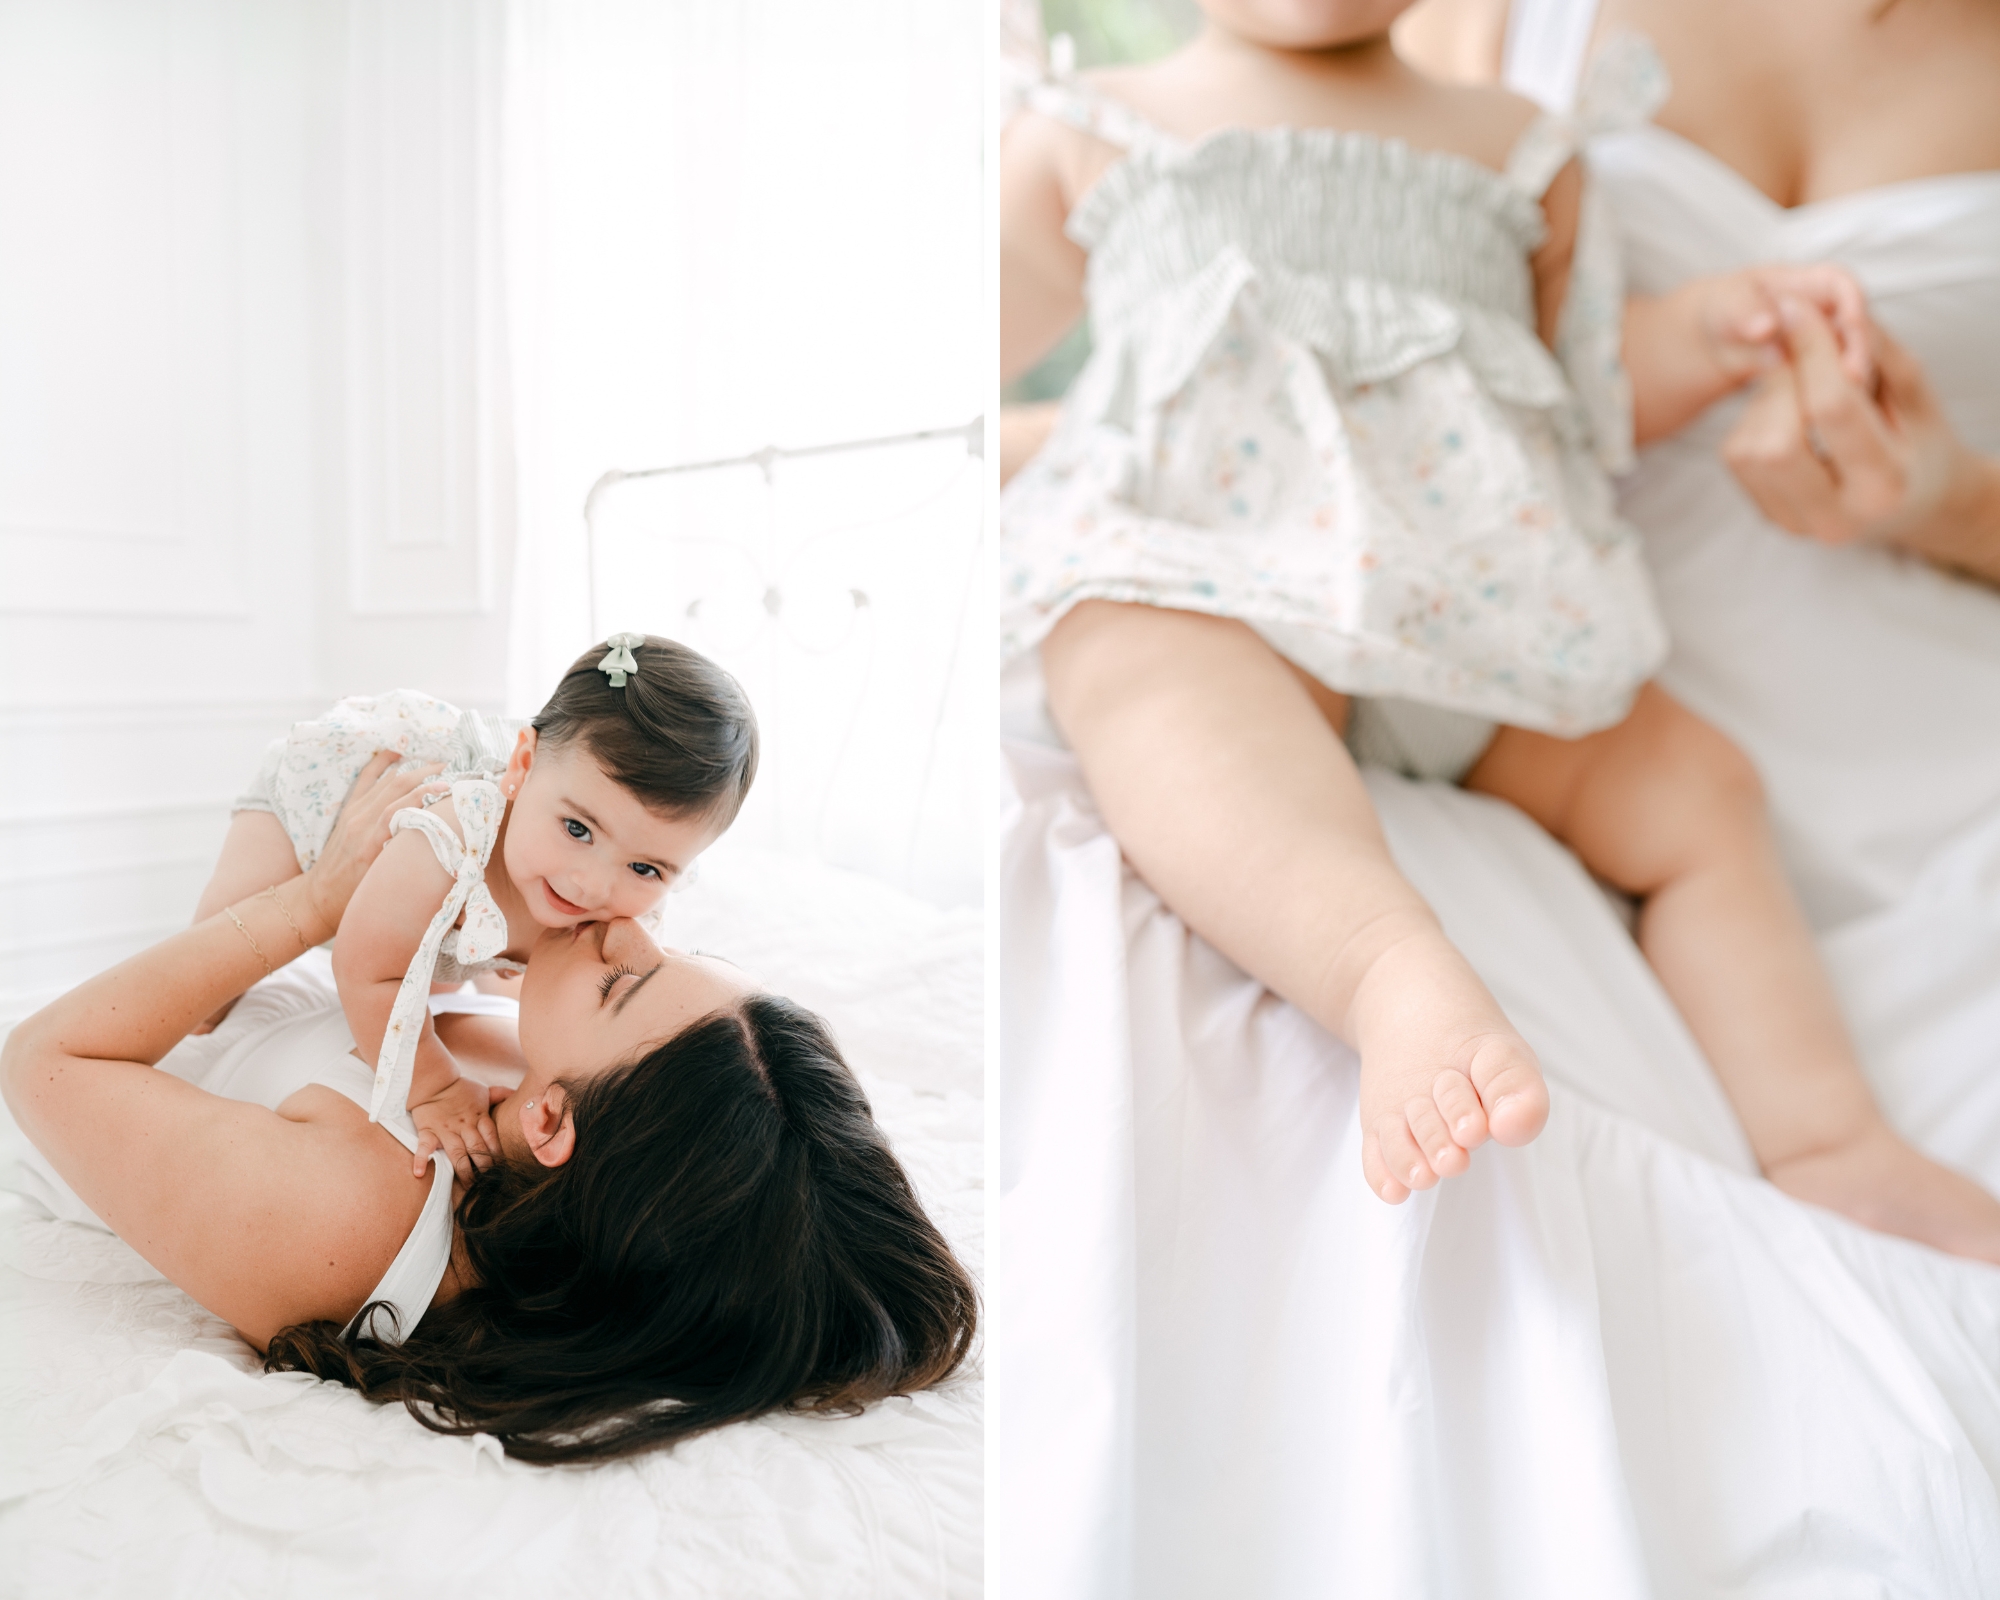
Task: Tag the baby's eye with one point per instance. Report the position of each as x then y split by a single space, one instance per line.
645 869
576 829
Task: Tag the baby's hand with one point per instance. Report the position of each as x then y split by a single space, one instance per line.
455 1120
1743 317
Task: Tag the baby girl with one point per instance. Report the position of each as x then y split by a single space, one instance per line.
1339 467
639 761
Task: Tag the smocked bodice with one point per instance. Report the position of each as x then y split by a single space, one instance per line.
1316 202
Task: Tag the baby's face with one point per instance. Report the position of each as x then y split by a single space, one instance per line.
581 848
1305 24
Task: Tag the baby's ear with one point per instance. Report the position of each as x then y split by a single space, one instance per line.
523 757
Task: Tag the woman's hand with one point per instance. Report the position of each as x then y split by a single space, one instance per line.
360 832
1688 348
1825 458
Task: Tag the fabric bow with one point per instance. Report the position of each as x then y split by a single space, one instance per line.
619 660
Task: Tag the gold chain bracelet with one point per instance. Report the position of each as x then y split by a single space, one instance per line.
271 894
230 912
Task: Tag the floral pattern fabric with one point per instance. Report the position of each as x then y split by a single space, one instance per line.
1317 403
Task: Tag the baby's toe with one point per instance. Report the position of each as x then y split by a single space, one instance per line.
1509 1081
1377 1172
1458 1106
1401 1153
1434 1138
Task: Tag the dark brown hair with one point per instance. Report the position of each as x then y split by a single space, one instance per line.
679 734
731 1236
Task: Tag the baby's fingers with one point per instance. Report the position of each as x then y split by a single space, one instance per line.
1839 297
427 1142
459 1157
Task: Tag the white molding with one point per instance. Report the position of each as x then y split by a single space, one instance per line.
127 866
188 562
425 492
142 808
24 716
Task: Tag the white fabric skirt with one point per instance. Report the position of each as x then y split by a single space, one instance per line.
1612 1363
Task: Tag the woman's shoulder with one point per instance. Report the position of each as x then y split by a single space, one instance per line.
1480 121
350 1205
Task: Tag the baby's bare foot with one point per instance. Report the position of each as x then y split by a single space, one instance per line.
1442 1069
1877 1180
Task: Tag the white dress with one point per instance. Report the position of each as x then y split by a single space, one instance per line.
1317 403
305 778
1614 1364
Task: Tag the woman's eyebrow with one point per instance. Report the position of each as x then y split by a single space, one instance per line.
619 1004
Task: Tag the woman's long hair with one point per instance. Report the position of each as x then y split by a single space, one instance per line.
731 1236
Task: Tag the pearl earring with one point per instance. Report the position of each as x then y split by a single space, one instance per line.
531 1105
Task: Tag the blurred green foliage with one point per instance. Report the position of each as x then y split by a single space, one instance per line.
1109 31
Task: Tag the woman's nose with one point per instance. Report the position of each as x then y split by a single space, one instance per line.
625 941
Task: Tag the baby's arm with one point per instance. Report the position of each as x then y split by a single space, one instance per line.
1686 349
381 932
1041 267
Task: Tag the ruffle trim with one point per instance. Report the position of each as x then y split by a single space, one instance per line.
1365 331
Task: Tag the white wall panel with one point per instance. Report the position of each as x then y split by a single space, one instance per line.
122 389
254 447
423 356
110 818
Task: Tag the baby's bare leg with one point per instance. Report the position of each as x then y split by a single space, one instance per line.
256 853
1233 796
1665 808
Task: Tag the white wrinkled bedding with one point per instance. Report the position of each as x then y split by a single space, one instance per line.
144 1453
1611 1364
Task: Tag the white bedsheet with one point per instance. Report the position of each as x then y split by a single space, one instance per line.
144 1453
1613 1363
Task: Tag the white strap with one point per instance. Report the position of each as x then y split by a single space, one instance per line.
411 1283
1627 82
1543 55
479 806
1096 114
1540 153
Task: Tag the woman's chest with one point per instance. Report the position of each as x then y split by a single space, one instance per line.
1865 97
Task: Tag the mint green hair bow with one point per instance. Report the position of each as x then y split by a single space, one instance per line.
618 660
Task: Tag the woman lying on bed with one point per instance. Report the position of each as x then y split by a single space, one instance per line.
694 1218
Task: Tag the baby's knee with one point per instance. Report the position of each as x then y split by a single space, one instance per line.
1710 789
1714 767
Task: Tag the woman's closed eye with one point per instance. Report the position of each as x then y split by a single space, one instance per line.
610 978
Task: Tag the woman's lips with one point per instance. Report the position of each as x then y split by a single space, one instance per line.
561 904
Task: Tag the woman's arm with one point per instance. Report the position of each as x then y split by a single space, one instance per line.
1823 457
195 1183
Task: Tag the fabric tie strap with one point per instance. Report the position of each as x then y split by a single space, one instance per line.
479 805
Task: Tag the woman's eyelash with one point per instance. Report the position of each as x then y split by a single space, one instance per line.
611 977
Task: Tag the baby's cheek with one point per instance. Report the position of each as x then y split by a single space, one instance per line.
645 894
